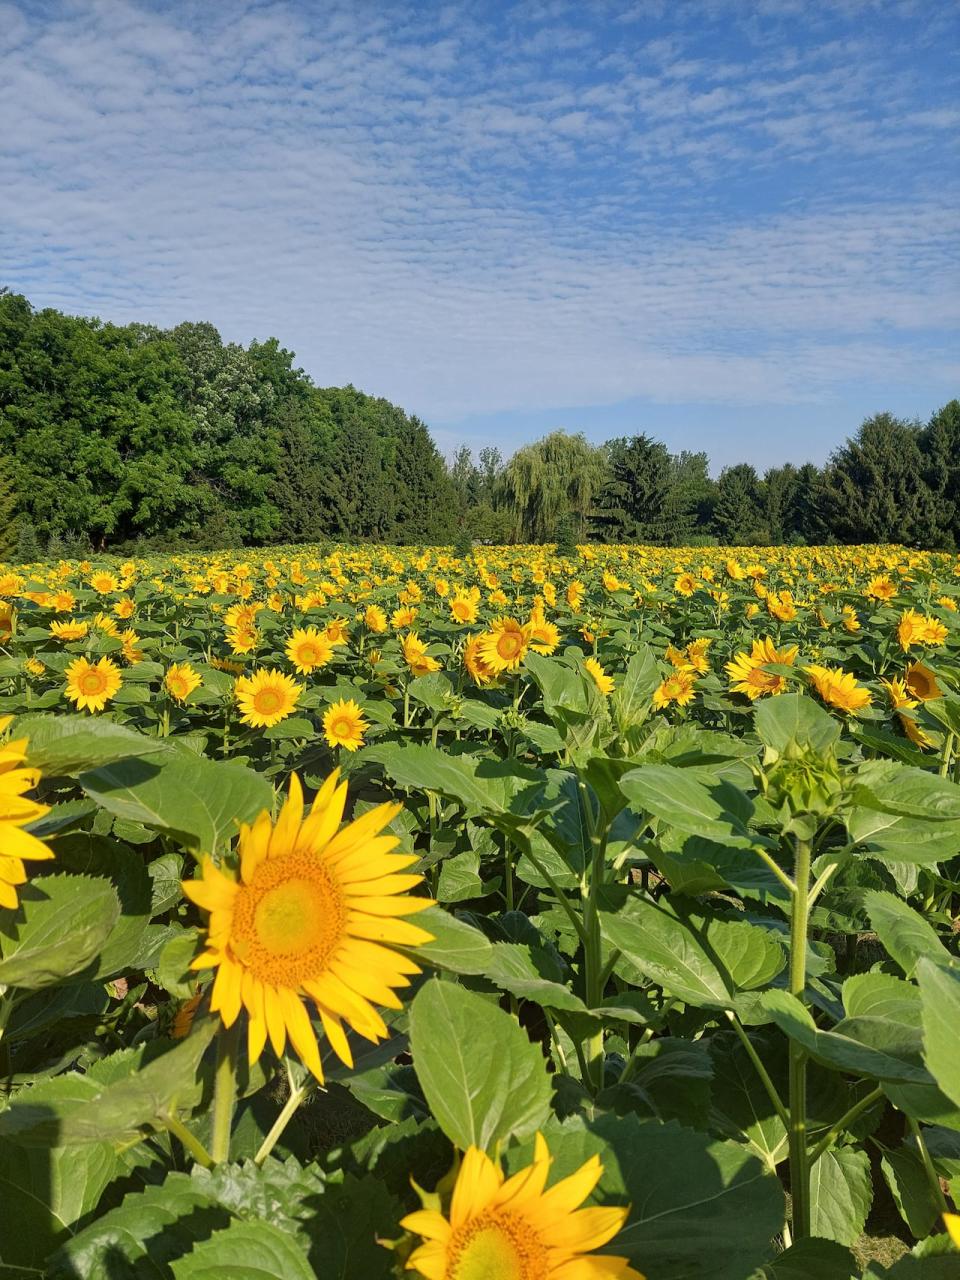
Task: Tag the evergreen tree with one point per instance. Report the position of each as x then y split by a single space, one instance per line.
633 505
940 448
737 515
874 489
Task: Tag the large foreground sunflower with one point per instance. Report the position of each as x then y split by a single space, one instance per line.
15 812
311 913
516 1228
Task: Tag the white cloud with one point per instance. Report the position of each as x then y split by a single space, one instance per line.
474 216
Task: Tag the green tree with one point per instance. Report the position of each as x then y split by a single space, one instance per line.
940 448
542 481
9 504
633 505
737 516
874 487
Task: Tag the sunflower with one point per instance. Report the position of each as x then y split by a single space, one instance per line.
849 619
600 678
838 688
131 650
748 674
574 594
463 609
243 639
516 1228
308 648
934 632
913 731
124 608
404 617
880 588
952 1222
344 725
181 680
911 629
91 685
898 693
473 661
15 812
310 912
544 636
34 666
337 633
504 647
375 619
678 688
685 584
781 606
416 657
75 629
104 583
921 682
266 697
696 654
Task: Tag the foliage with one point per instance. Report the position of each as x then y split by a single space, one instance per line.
706 937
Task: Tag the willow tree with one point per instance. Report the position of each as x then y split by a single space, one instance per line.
557 476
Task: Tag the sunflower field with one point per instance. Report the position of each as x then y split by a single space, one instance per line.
369 912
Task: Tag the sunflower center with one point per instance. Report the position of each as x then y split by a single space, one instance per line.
287 921
267 701
509 644
92 683
309 655
496 1244
342 727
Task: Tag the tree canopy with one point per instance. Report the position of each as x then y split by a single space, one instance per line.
124 436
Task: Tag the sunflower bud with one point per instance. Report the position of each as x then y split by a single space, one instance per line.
805 786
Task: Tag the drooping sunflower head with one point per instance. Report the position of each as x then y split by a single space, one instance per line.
91 685
517 1228
344 724
921 682
266 697
310 912
839 688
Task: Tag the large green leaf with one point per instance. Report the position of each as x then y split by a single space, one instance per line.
741 1108
811 1259
901 837
132 1090
68 744
699 960
904 932
480 786
699 1208
200 802
62 924
245 1251
677 797
631 698
893 1058
45 1191
841 1193
940 996
480 1096
139 1238
793 717
457 946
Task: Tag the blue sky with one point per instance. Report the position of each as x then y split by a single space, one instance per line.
732 225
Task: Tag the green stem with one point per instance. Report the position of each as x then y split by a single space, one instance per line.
290 1108
797 1132
845 1121
932 1176
593 948
224 1092
188 1141
760 1069
775 867
948 745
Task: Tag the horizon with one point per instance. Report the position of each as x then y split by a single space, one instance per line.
704 225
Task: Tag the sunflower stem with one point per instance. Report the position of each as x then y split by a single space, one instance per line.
188 1141
932 1176
297 1095
224 1092
799 1159
948 744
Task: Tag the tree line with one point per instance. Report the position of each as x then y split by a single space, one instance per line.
136 438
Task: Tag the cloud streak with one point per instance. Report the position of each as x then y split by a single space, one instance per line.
478 209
